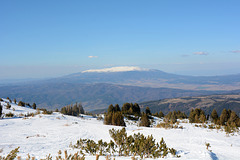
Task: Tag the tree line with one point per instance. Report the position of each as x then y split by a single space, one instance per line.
115 116
73 110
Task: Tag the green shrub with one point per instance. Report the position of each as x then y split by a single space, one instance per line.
45 111
20 103
9 114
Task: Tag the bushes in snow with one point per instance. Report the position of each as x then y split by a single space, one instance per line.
45 111
10 114
123 145
20 103
13 155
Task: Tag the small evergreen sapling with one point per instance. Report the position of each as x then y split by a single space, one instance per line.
0 110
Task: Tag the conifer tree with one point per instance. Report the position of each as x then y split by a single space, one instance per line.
214 115
163 148
126 107
145 121
233 119
34 106
114 116
195 114
160 114
224 117
136 109
119 119
191 116
149 146
119 136
147 111
117 108
202 118
20 103
110 108
0 110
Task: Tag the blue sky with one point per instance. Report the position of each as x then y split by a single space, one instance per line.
51 38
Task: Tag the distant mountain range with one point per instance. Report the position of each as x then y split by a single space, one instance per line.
97 89
93 96
155 79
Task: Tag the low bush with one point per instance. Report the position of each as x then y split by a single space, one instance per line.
10 114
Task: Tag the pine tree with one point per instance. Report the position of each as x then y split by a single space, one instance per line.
75 110
119 136
145 121
202 118
119 119
34 106
214 115
195 114
110 108
233 119
20 103
191 116
147 111
136 109
64 110
150 146
126 107
160 114
114 116
80 107
163 148
0 110
117 108
224 117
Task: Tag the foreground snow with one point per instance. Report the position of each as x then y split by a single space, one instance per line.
44 134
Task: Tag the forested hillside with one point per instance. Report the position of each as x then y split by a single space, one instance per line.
206 103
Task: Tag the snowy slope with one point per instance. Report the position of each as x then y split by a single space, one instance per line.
44 134
15 109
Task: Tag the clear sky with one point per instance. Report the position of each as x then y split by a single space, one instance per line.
49 38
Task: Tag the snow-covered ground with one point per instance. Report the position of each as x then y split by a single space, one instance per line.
44 134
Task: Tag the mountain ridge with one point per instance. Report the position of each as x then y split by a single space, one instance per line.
98 90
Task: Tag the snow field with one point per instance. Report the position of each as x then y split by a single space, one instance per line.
44 134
